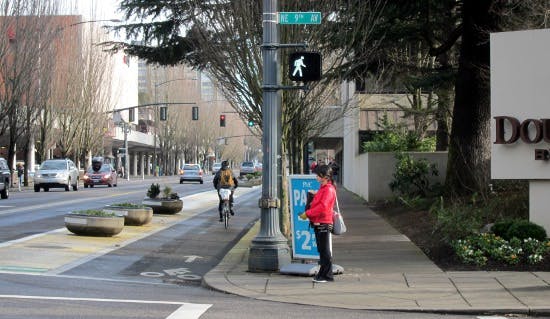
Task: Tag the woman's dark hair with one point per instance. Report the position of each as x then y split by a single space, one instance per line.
324 171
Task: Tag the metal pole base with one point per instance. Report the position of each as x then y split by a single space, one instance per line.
268 257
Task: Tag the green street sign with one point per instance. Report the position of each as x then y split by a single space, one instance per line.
299 17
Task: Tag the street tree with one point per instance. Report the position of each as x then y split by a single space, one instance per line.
25 69
223 38
443 27
80 95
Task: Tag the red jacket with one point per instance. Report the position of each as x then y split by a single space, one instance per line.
322 205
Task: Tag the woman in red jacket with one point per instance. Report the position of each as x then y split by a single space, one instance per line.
320 216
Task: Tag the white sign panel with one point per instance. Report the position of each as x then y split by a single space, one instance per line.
520 105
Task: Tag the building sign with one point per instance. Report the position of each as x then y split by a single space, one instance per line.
520 100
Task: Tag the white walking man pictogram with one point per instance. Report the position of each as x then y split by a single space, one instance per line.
298 64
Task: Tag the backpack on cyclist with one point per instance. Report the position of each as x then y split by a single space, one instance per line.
226 179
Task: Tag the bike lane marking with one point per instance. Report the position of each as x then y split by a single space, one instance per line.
186 310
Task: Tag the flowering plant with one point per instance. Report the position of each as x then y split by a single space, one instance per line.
480 248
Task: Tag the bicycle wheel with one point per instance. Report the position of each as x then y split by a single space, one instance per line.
225 213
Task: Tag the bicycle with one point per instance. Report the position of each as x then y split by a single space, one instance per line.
225 194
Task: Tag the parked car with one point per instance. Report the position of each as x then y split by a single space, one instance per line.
106 174
56 173
5 178
259 167
247 168
216 167
191 172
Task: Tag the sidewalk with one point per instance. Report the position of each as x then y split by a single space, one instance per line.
384 270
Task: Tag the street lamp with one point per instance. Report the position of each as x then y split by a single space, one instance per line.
269 250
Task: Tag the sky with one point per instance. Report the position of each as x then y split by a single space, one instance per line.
96 9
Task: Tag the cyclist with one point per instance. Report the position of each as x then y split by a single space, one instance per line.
225 179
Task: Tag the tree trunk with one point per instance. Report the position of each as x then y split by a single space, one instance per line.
468 169
442 117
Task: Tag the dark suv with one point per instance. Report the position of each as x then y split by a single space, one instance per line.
5 177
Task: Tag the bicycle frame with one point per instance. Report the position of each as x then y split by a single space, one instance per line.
225 194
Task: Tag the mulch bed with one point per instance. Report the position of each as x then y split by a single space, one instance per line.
417 225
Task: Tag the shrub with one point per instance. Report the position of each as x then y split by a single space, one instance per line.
524 229
457 220
480 248
153 191
167 191
501 228
397 138
94 212
411 177
129 205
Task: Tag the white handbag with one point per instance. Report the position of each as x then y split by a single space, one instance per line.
338 225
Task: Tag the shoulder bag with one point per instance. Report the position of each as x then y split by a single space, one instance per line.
339 227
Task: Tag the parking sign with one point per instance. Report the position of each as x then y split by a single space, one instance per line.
303 237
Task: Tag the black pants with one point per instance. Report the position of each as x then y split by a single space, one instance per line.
322 237
221 202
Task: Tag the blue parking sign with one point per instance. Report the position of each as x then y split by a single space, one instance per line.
303 236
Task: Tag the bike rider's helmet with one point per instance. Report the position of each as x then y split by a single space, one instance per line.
225 164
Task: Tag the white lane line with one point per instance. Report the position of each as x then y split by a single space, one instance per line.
186 310
74 201
24 239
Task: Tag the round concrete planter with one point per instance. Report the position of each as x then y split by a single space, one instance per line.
250 182
133 216
88 225
164 206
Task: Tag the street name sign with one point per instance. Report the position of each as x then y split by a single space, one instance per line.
299 17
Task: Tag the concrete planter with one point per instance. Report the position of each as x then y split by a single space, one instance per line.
164 206
250 182
132 216
88 225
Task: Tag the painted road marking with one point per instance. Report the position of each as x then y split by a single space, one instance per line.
182 273
186 310
74 201
24 239
191 259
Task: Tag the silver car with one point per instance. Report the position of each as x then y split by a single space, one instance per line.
216 167
5 177
191 172
247 168
56 173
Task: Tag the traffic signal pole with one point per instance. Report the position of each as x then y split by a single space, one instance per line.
269 250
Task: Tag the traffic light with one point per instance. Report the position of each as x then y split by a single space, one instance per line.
222 120
250 122
163 113
195 113
304 66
